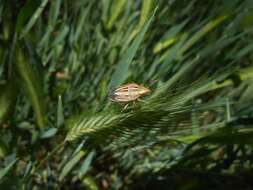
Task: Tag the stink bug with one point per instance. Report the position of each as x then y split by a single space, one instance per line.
128 93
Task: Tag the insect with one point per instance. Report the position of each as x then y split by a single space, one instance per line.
128 93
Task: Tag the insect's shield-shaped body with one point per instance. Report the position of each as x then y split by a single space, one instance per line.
128 92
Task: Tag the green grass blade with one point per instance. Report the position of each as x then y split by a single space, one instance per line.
170 37
116 10
5 170
49 133
120 73
32 87
68 167
86 164
8 95
33 19
202 32
146 9
54 12
60 112
25 14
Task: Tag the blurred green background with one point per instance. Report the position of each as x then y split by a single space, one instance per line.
59 59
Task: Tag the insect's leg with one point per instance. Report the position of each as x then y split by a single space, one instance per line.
134 105
125 107
141 100
153 82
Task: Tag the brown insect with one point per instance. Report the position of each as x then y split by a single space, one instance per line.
128 93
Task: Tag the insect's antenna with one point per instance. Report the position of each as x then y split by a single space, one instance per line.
110 94
110 91
153 82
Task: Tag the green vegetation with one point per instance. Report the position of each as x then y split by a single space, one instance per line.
59 60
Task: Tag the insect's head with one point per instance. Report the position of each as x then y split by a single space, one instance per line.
145 90
111 94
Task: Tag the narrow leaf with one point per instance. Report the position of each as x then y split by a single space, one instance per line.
60 114
86 164
68 167
34 18
8 94
120 73
31 86
117 8
49 133
202 32
5 170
